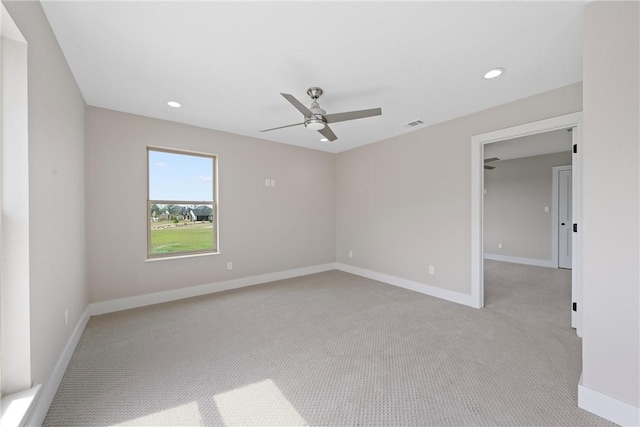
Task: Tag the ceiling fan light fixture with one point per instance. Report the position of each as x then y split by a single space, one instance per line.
314 124
493 73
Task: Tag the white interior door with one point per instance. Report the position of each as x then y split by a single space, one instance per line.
564 219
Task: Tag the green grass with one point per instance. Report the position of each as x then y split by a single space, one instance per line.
187 238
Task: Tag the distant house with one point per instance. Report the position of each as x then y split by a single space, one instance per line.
182 212
164 216
202 213
173 212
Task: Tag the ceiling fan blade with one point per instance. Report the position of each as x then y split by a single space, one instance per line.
489 167
492 159
282 127
299 105
351 115
328 133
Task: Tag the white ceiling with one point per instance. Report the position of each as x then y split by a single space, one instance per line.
227 62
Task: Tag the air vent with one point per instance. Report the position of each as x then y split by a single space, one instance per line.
413 124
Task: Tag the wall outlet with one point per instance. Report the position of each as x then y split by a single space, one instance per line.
229 265
546 209
350 254
432 269
267 182
499 245
273 182
66 317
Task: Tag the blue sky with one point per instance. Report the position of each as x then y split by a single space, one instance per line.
180 177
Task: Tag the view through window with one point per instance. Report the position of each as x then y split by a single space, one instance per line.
181 204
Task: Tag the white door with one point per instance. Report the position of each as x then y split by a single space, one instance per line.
564 219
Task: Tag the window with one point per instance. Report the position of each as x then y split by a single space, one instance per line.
182 211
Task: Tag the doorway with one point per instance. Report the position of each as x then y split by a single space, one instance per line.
570 121
519 200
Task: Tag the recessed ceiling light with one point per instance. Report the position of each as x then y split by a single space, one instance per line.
324 140
492 74
174 104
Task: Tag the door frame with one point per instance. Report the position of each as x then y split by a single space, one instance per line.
555 229
573 120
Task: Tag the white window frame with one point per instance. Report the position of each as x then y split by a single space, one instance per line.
213 203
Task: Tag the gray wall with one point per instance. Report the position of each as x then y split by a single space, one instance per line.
611 339
262 229
517 192
56 191
405 203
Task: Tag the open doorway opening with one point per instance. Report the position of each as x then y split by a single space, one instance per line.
527 224
483 141
527 188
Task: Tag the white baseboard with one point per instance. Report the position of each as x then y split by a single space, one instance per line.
607 407
422 288
111 306
519 260
48 391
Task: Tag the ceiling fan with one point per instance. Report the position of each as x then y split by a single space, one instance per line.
492 159
315 118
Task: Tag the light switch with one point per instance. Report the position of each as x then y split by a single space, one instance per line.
273 182
267 182
546 209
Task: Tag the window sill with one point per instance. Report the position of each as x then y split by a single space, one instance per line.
16 407
181 256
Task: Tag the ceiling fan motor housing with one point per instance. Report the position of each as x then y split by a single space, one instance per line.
316 110
317 121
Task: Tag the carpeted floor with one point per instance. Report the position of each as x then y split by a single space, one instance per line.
334 349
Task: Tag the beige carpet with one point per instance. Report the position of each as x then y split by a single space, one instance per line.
334 349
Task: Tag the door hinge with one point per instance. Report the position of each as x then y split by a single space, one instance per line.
575 228
574 306
575 148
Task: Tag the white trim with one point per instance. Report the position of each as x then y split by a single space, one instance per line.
477 213
111 306
477 184
16 407
50 388
576 217
607 407
15 305
519 260
166 258
555 230
422 288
